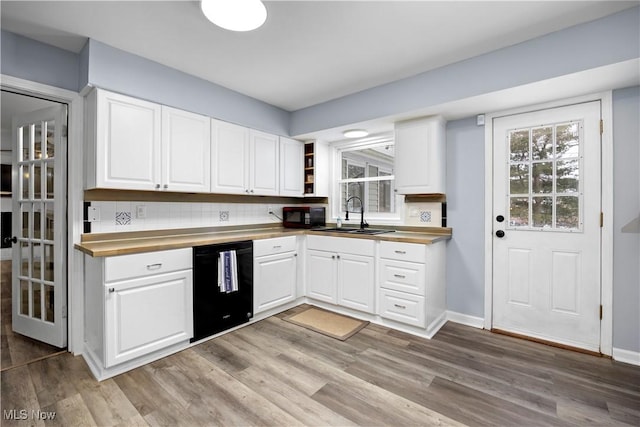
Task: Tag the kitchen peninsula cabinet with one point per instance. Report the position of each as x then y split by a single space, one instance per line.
420 156
341 271
140 145
138 308
411 284
244 161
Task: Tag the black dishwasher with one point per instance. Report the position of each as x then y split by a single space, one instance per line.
215 310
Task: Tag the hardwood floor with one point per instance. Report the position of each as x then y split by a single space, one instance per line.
16 349
274 373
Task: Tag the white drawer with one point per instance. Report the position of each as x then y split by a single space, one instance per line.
343 245
413 252
402 307
274 246
147 264
402 276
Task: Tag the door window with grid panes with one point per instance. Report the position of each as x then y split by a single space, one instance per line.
544 177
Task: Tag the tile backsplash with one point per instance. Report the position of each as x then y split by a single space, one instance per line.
427 214
139 216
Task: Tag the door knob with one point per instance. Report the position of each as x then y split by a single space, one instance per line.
8 240
500 233
499 218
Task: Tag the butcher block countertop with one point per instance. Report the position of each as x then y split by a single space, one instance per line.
113 244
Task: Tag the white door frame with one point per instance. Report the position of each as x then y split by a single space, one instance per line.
75 184
606 259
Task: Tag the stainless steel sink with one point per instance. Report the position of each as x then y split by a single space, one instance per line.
353 230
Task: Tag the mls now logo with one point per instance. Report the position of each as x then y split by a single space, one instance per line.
24 414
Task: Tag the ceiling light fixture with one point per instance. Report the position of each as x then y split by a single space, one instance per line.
235 15
355 133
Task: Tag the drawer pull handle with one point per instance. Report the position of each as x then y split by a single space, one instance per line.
399 276
112 290
400 306
401 252
277 247
154 266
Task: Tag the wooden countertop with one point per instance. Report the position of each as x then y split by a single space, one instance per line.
112 244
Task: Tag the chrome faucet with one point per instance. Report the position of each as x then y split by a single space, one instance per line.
346 214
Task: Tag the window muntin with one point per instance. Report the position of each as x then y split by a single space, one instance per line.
544 177
366 171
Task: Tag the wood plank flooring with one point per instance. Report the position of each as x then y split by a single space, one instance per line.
16 349
274 373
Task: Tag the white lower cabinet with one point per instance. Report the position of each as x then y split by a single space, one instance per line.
341 271
136 307
411 284
275 268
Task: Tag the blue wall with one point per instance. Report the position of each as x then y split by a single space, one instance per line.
38 62
465 214
626 200
120 71
606 41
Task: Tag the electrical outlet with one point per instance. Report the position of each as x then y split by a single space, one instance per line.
141 211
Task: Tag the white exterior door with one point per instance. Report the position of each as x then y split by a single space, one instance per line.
39 285
546 225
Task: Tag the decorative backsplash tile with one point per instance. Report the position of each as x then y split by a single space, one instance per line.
427 214
123 218
224 216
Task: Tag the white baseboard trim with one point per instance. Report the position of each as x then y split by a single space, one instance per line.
465 319
626 356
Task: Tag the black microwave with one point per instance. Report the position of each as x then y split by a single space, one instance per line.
303 217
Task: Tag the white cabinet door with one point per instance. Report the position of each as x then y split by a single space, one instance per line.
291 167
127 132
274 280
147 314
356 284
321 275
186 151
229 154
264 162
420 156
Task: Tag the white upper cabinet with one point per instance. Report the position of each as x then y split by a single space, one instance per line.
186 151
244 161
264 170
420 156
126 150
139 145
229 158
291 167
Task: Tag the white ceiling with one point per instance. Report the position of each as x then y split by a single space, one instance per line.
307 52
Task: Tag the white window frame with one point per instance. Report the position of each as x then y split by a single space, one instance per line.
336 196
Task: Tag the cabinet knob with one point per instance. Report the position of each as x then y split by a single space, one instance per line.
112 290
252 190
333 257
166 186
157 186
246 191
338 256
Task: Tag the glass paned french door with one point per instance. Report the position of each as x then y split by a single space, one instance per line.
39 276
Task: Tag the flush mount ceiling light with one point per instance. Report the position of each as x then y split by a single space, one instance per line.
235 15
355 133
